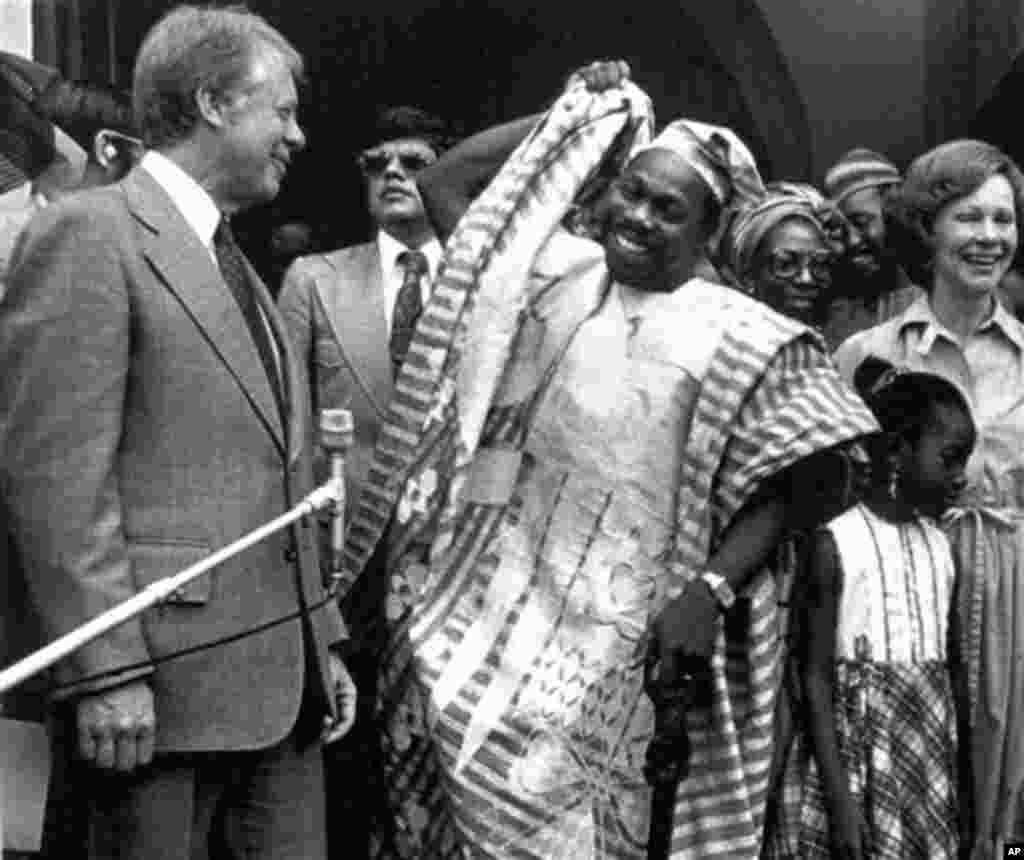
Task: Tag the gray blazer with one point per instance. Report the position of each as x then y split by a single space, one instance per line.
333 306
138 433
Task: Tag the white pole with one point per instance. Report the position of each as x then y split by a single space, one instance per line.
36 662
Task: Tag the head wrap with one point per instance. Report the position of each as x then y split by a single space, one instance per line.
859 169
749 225
837 228
721 159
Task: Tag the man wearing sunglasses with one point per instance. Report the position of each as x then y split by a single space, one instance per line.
351 314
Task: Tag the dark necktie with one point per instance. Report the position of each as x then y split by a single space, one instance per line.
232 267
408 305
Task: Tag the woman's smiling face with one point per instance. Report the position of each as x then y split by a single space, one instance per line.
975 238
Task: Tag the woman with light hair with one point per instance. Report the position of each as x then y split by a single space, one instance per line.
955 222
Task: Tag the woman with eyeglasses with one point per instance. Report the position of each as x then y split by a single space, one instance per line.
781 251
955 222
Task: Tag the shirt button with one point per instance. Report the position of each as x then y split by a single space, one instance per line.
291 555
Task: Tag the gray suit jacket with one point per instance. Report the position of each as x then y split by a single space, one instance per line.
139 433
333 306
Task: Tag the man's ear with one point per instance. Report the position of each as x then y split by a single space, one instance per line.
211 107
104 151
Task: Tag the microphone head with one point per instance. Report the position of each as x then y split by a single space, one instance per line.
337 430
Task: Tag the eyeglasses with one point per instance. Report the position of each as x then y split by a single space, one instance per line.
376 162
789 265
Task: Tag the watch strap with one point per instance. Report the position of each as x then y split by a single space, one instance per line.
720 588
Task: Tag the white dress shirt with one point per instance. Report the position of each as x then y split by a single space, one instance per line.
988 367
200 213
196 206
389 249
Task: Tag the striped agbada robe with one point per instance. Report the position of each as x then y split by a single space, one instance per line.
450 465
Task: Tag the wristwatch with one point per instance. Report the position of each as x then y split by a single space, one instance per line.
720 588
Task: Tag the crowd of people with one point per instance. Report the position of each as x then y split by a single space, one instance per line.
683 504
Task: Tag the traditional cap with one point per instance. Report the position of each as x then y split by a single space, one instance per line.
859 169
721 159
750 224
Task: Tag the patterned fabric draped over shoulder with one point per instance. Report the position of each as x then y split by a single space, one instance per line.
445 387
766 397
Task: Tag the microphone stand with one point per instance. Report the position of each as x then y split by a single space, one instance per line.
337 432
329 496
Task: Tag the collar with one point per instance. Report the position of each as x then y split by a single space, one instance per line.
920 313
189 196
389 248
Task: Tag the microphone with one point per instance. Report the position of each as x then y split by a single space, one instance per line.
336 436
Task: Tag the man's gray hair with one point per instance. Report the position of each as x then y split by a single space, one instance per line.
196 48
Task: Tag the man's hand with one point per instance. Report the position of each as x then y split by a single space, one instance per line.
602 75
117 728
685 629
345 695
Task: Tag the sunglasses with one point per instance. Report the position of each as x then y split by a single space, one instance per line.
789 264
376 162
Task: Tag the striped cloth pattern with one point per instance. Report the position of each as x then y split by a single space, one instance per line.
859 169
440 400
769 398
762 408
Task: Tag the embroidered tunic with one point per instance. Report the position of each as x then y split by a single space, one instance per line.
527 648
533 543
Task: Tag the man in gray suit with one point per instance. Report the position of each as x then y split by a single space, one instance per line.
350 314
340 307
152 411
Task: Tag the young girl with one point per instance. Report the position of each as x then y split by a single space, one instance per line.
872 773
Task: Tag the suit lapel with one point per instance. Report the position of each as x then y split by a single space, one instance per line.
189 271
354 302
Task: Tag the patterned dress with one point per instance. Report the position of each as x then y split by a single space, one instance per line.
894 711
